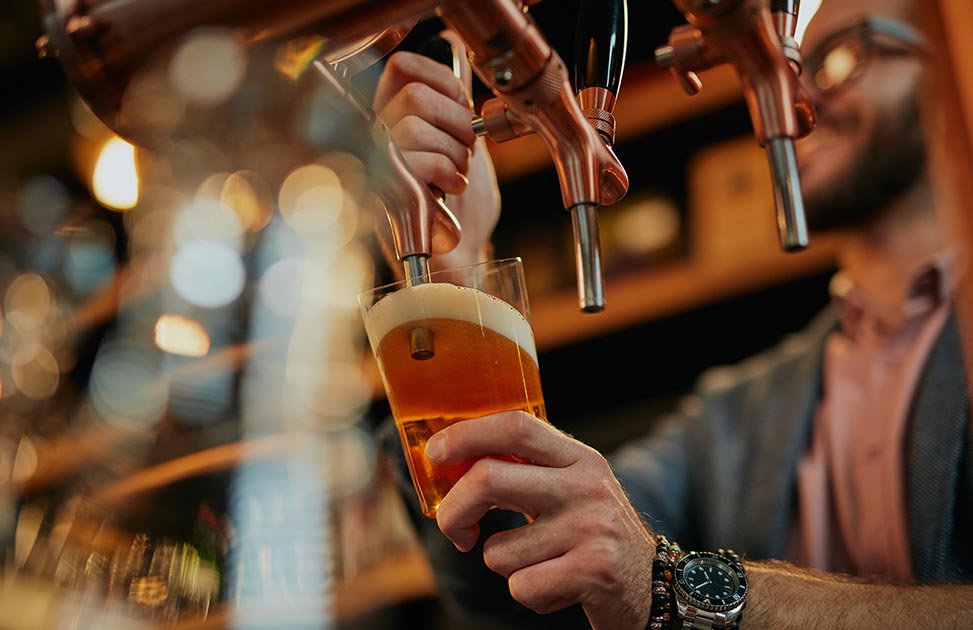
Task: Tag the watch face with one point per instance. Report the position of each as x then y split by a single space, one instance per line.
710 581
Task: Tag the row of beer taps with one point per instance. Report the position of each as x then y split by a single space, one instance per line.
103 42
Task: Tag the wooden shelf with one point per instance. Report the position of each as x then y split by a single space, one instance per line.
667 290
649 99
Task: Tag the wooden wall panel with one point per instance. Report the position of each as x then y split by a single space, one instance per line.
948 122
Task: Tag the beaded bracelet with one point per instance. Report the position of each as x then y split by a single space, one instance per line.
666 556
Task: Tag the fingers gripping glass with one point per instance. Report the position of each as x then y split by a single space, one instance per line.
456 348
840 60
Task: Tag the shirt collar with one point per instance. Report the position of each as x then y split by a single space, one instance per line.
891 298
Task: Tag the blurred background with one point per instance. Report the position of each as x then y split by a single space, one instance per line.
186 402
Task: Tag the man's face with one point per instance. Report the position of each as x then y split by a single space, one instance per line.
867 146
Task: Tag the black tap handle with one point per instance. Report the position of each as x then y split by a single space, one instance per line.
601 39
790 7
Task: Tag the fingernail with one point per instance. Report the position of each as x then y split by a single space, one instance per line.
435 447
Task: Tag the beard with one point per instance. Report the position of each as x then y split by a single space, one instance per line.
890 163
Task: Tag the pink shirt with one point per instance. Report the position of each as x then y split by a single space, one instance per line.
851 483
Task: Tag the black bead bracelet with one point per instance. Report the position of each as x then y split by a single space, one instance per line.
662 610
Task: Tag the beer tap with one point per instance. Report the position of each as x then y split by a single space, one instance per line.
104 43
601 38
756 37
421 223
535 96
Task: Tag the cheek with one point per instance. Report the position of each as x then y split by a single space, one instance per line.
827 152
846 123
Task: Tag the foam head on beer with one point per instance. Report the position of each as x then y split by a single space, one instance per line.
484 361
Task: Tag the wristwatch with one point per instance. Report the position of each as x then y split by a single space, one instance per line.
710 590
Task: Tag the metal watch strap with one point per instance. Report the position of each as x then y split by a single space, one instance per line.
704 621
699 623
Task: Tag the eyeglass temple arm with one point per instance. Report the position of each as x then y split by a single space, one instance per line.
756 37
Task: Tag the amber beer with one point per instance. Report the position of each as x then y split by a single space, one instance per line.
484 361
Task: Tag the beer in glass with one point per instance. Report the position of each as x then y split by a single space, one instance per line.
455 348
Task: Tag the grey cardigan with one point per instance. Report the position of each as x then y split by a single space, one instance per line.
721 473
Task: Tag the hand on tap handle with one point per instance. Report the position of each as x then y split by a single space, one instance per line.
428 110
421 224
535 95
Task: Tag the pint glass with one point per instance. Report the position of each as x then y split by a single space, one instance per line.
455 348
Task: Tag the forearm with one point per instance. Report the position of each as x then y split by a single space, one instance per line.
784 597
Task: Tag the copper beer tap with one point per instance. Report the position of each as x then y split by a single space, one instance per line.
103 44
535 96
757 38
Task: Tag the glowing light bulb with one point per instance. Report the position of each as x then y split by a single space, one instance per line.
176 334
115 180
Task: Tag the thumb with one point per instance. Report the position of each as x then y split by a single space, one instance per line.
461 62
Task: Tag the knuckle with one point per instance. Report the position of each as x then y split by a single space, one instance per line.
600 572
409 129
597 467
483 474
519 425
525 593
604 573
494 558
399 65
415 94
598 529
444 167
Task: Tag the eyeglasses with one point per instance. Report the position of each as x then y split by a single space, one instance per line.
840 60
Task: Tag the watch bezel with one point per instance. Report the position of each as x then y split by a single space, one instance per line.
710 604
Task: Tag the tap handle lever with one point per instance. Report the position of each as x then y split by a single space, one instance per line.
601 40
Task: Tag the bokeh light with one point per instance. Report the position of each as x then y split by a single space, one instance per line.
42 204
207 273
205 220
35 371
279 289
176 334
115 179
250 197
29 302
125 386
333 393
311 198
208 67
90 260
350 455
645 225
